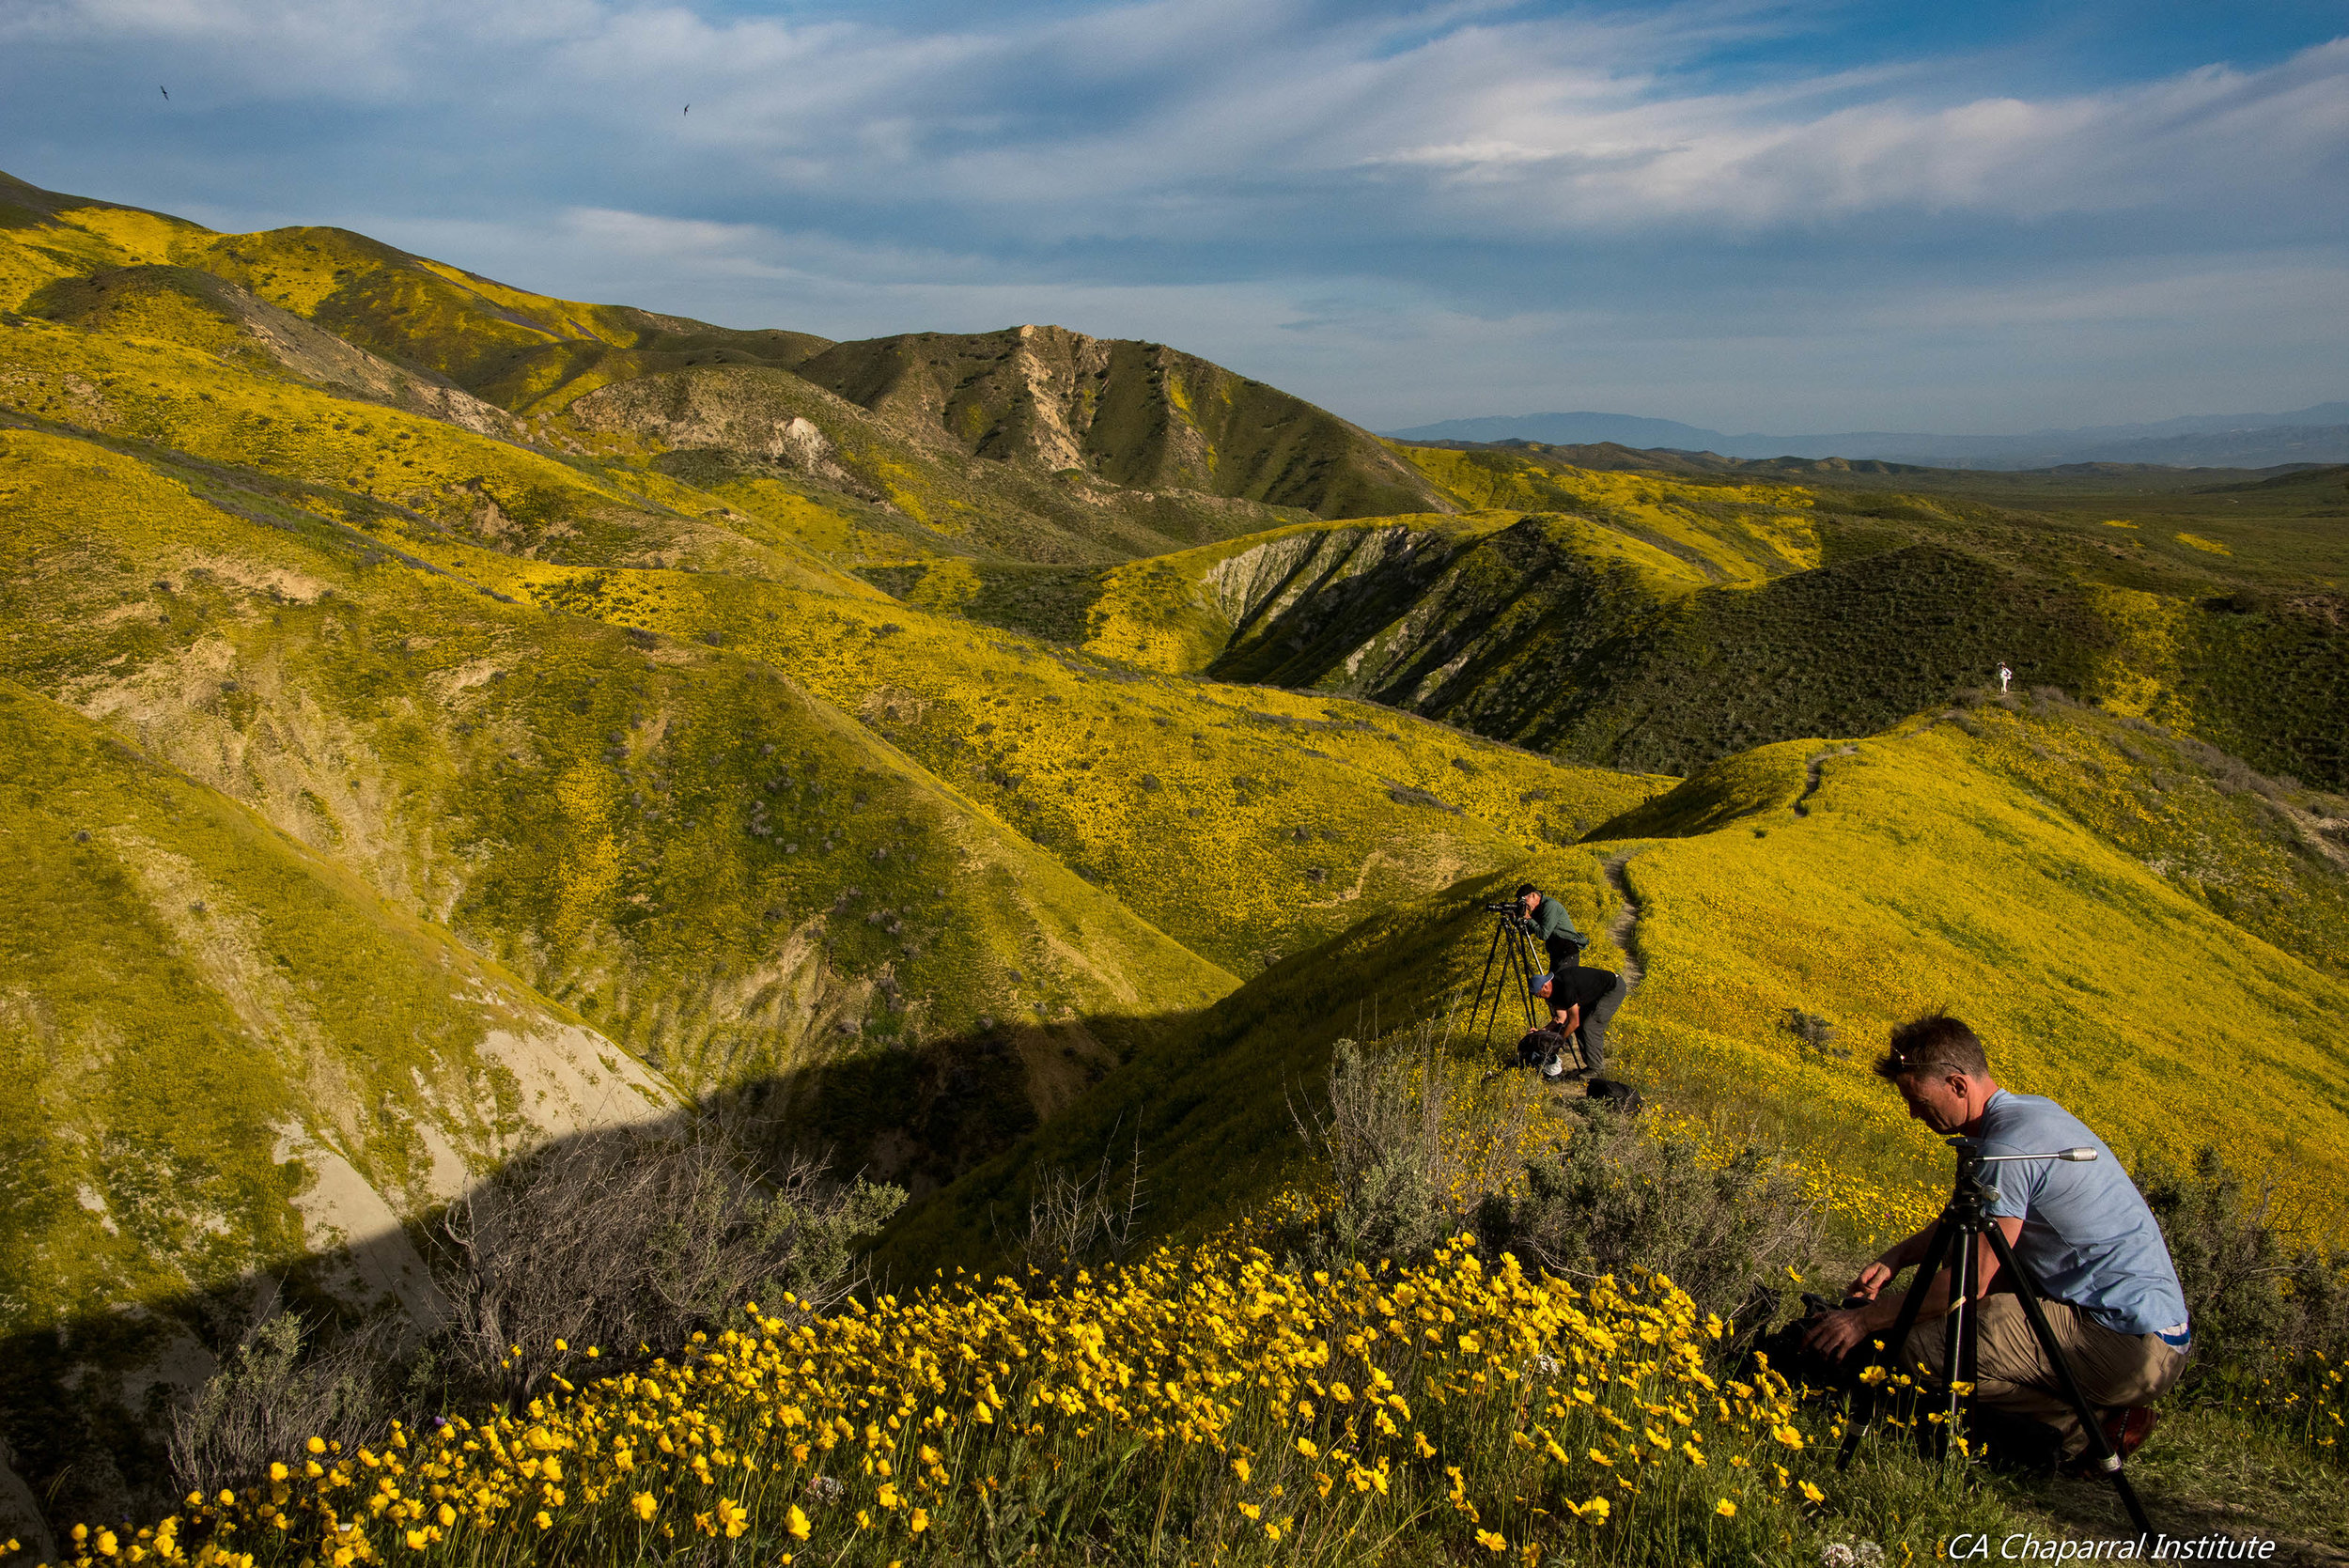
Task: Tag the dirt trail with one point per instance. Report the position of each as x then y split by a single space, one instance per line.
1815 770
1624 930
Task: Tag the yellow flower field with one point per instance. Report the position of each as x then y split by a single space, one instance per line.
1205 1401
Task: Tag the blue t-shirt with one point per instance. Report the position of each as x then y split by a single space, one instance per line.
2088 1238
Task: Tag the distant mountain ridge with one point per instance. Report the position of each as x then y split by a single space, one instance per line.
2317 434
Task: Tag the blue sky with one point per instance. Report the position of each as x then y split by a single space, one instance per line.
1981 217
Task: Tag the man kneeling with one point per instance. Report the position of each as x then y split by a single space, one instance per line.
2082 1230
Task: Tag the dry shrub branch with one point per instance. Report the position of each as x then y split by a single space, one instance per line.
639 1239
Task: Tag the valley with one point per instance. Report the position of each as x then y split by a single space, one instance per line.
448 722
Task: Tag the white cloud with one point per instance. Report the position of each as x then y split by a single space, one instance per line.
1329 197
1086 123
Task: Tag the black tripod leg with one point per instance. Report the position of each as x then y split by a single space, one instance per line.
2107 1462
1967 1370
1958 1340
1911 1305
1490 951
1525 956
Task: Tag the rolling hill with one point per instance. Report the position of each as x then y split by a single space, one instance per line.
447 717
2319 434
1662 620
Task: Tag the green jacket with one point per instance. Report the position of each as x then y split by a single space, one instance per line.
1551 919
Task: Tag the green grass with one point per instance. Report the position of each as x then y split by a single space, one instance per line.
1994 863
1662 633
906 805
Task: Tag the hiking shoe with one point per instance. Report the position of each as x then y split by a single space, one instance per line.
2126 1430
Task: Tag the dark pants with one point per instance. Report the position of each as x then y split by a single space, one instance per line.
1592 1031
1564 954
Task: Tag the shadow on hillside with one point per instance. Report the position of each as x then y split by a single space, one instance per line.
1203 1098
84 1402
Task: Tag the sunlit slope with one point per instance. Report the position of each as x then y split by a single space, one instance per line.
727 875
1031 444
509 345
223 1053
363 461
1589 639
1931 868
1419 807
1673 624
2215 608
2270 855
1935 865
1246 823
45 236
1725 532
191 307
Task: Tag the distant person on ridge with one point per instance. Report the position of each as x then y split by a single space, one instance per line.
2082 1230
2005 677
1583 1002
1552 926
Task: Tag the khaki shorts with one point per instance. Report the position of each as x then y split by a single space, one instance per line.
2014 1375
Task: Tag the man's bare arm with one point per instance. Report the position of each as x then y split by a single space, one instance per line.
1837 1332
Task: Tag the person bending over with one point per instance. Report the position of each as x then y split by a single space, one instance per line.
1552 927
2082 1230
1583 1002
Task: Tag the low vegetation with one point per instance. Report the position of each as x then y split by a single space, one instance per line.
513 789
1267 1391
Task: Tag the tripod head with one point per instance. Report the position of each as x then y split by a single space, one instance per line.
1973 1190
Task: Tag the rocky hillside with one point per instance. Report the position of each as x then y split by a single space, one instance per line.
1138 414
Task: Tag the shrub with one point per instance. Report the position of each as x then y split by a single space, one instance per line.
1623 1197
1413 1140
2270 1313
283 1384
1075 1222
638 1238
641 1238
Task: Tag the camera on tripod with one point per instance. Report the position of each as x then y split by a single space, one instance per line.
1516 959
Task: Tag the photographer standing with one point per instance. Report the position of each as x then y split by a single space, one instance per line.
2082 1231
1550 926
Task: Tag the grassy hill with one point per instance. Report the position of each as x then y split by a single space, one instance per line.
1138 414
1662 621
450 716
2132 922
733 817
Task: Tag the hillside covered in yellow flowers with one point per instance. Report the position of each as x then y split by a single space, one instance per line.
445 719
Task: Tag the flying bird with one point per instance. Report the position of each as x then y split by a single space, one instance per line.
166 92
689 108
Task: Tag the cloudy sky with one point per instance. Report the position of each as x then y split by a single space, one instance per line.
1981 217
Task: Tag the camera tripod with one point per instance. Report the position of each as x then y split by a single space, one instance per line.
1966 1218
1512 948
